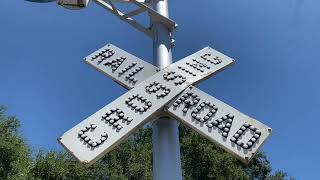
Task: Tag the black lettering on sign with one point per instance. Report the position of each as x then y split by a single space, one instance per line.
173 76
212 59
126 69
246 128
102 55
130 75
224 124
197 65
196 112
88 140
147 103
116 63
114 120
186 70
189 100
155 87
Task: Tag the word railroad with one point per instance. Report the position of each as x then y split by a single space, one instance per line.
153 93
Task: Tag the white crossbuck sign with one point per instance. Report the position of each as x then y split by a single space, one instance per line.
154 92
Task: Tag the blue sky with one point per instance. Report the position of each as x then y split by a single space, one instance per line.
276 44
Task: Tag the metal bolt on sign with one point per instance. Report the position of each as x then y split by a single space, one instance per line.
161 95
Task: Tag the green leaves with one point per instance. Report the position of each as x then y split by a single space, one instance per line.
56 165
203 160
15 156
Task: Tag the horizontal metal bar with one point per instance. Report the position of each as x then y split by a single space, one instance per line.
113 7
171 25
134 12
128 20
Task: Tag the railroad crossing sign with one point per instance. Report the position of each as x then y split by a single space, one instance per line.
154 92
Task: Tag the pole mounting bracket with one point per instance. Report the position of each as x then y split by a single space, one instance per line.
128 17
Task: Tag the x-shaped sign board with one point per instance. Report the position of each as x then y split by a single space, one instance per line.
154 92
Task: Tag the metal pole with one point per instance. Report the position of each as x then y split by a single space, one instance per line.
165 136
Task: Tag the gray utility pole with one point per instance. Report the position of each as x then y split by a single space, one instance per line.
165 136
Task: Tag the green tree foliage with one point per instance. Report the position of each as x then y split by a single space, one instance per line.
279 175
57 166
132 160
201 159
15 156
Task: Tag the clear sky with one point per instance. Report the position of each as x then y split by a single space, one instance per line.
276 44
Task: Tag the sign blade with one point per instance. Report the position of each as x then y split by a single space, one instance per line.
121 66
230 129
202 64
98 134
